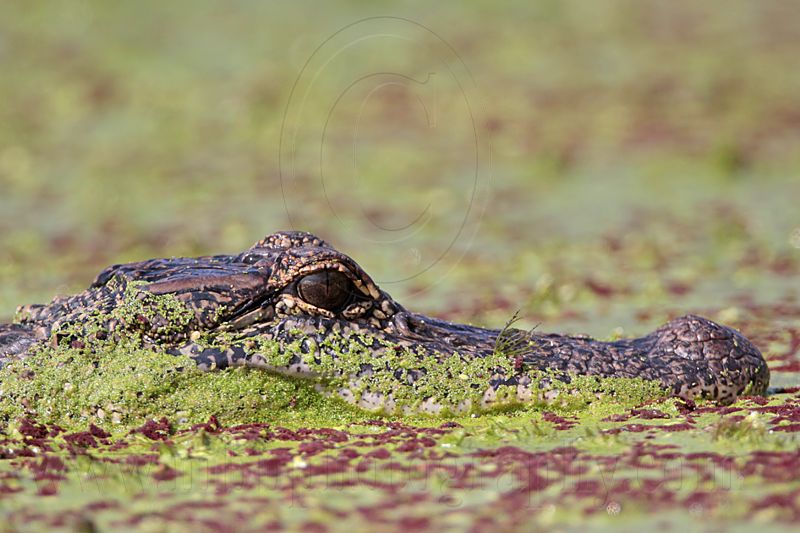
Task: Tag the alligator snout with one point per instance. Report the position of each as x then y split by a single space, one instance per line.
690 356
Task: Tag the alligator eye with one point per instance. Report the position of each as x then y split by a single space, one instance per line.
328 289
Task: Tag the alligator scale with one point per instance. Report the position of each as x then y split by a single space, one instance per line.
295 305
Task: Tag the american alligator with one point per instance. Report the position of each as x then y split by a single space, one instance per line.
295 305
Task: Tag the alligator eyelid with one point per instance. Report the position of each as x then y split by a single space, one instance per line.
364 288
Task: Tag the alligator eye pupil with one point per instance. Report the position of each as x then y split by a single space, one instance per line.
328 289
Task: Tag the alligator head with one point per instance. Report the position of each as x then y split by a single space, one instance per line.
295 305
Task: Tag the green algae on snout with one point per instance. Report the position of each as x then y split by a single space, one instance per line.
412 376
409 380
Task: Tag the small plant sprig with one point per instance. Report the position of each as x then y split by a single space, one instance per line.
512 342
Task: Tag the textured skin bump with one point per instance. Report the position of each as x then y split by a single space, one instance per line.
254 296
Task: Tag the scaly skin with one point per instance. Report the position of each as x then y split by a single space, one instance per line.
292 287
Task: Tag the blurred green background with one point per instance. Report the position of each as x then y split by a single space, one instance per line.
476 159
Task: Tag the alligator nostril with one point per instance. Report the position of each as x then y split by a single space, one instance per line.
401 322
